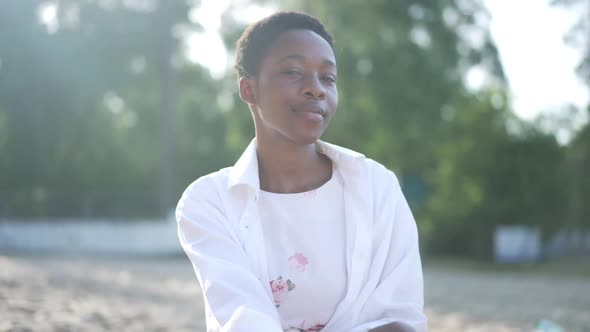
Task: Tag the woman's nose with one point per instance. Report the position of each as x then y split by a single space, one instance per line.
313 88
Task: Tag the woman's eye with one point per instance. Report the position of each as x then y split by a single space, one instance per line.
291 72
330 79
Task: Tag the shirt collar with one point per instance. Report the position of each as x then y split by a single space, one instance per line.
245 171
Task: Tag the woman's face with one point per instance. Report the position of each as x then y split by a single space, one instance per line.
295 89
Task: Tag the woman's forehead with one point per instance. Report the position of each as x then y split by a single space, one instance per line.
302 45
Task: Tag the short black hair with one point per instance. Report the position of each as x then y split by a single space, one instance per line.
259 38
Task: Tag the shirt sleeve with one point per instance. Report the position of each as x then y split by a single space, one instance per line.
399 294
235 299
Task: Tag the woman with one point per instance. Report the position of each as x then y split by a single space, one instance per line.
300 235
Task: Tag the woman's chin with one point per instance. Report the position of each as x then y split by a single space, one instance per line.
307 139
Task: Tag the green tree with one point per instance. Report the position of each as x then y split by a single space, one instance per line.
89 107
496 170
578 150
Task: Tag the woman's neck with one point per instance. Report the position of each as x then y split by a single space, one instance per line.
286 167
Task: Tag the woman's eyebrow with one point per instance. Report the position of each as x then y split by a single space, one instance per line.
301 57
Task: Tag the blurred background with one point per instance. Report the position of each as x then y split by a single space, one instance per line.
109 109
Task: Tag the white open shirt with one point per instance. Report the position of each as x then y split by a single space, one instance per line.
219 228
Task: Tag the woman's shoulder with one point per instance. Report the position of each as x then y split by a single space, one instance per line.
353 164
380 171
206 187
377 173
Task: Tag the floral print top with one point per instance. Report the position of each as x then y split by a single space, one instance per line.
305 244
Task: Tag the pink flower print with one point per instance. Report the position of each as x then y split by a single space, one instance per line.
306 328
279 288
298 262
317 327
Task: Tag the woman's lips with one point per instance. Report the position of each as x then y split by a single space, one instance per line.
311 116
311 111
314 114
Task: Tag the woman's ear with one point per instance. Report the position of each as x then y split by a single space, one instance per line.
247 90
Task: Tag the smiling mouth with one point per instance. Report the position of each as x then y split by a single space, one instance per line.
318 110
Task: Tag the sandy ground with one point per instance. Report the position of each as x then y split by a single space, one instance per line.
98 294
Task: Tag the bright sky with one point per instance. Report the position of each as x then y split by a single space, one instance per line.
529 35
209 16
540 67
